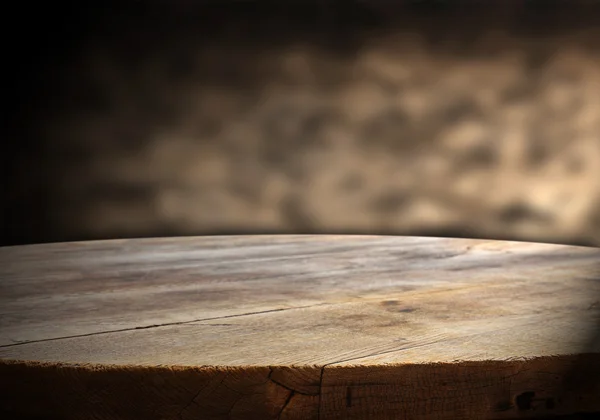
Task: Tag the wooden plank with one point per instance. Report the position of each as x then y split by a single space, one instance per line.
113 285
299 327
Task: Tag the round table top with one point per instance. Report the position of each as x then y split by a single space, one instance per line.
303 304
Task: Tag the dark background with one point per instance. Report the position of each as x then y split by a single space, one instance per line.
154 118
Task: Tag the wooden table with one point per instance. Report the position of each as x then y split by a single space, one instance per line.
298 327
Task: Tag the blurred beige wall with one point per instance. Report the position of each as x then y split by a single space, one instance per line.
486 132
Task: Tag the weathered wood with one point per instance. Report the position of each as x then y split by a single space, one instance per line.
299 327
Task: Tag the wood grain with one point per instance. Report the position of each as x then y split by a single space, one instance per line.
299 326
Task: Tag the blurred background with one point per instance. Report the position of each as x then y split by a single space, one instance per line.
446 118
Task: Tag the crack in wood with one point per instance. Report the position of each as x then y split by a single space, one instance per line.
320 406
167 324
285 404
270 377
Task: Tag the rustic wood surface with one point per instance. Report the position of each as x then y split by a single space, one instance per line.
299 326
